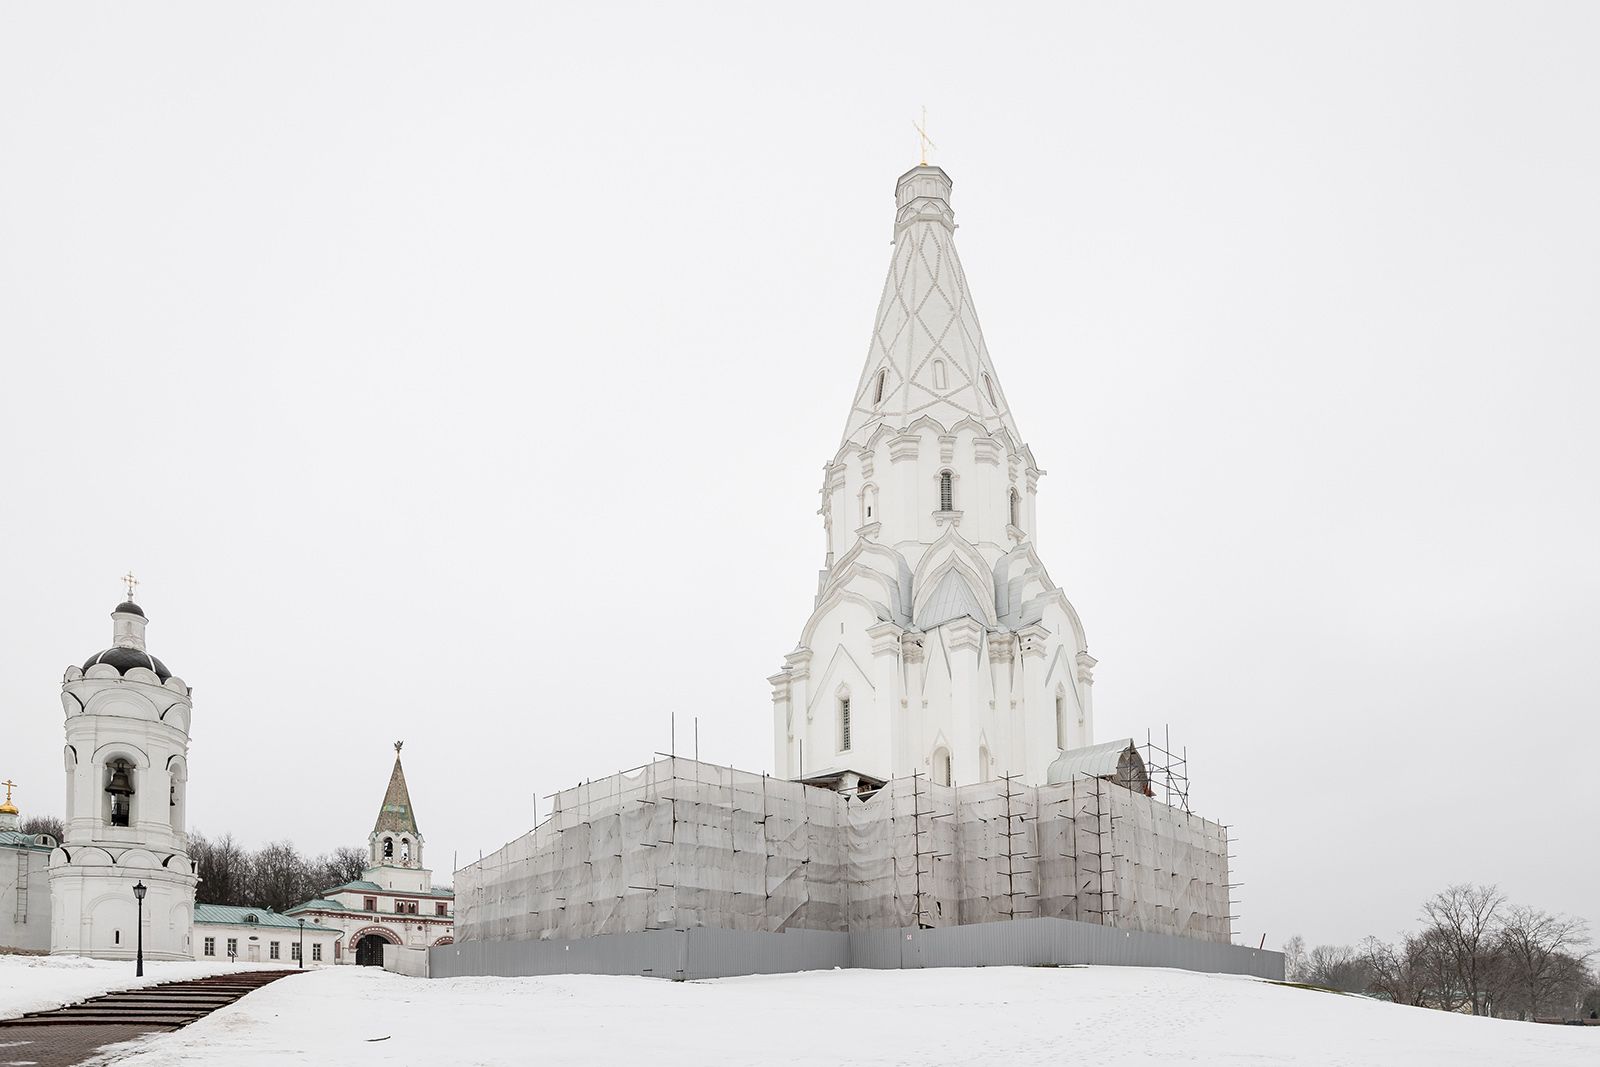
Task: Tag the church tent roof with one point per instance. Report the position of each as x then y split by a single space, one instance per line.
396 815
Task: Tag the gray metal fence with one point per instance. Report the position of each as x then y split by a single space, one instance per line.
706 952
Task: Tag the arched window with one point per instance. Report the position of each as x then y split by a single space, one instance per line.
947 491
844 723
883 383
938 374
941 766
869 504
388 848
119 792
983 763
1016 509
1061 719
405 850
988 385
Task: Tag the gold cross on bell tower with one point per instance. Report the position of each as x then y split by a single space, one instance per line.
10 785
132 583
925 142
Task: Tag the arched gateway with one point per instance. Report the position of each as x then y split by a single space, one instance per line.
366 946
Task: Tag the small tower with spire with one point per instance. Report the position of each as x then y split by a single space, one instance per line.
395 844
127 762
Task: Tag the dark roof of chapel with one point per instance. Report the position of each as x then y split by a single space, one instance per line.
130 608
125 659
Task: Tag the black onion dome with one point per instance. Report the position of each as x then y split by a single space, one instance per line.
125 659
129 607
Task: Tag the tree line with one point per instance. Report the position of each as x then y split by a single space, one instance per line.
1476 953
275 876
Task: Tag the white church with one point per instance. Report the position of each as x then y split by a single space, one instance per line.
936 775
938 643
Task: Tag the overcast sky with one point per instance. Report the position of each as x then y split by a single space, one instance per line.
463 374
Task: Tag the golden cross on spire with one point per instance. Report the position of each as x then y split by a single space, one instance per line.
132 583
922 133
10 785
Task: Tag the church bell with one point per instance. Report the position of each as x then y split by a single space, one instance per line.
121 785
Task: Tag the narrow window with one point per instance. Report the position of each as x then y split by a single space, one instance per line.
294 950
116 937
370 903
233 947
844 724
388 848
316 953
1061 720
988 385
119 787
947 495
983 763
938 374
883 383
438 909
272 951
211 946
941 767
1016 510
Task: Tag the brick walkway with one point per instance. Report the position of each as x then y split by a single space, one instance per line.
65 1044
78 1033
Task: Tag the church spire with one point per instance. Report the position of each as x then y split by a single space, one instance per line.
927 355
396 815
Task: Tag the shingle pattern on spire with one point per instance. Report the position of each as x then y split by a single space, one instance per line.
396 816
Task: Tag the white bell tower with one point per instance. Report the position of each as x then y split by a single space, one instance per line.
127 767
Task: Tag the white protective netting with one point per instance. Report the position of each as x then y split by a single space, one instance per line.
679 843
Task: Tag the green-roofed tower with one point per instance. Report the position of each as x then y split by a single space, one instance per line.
395 842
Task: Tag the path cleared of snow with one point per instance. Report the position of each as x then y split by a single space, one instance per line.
39 983
1010 1015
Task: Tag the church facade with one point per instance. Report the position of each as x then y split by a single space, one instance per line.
938 643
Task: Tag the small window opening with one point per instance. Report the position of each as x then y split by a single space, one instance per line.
947 496
988 385
883 383
116 937
844 724
1016 510
938 374
1061 721
941 767
388 848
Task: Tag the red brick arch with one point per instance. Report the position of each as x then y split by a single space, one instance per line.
445 940
382 931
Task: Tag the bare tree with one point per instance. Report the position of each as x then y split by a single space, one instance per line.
1294 959
1337 967
45 824
224 869
1399 973
1540 950
332 869
1467 918
278 877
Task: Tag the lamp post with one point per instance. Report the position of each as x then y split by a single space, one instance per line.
138 895
302 944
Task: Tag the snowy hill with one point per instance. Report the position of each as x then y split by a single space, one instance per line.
1002 1015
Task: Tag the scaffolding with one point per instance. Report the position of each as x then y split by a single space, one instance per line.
680 843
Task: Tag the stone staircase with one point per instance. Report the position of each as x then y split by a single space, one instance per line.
166 1006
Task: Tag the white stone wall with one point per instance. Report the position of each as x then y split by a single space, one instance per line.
24 900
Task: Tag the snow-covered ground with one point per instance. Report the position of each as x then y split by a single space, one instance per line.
38 983
1009 1015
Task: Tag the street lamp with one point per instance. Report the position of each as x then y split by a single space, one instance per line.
302 944
138 895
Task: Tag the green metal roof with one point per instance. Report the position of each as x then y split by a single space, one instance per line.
18 839
325 905
227 913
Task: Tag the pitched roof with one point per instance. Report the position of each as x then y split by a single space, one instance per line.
396 816
18 839
227 913
926 316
